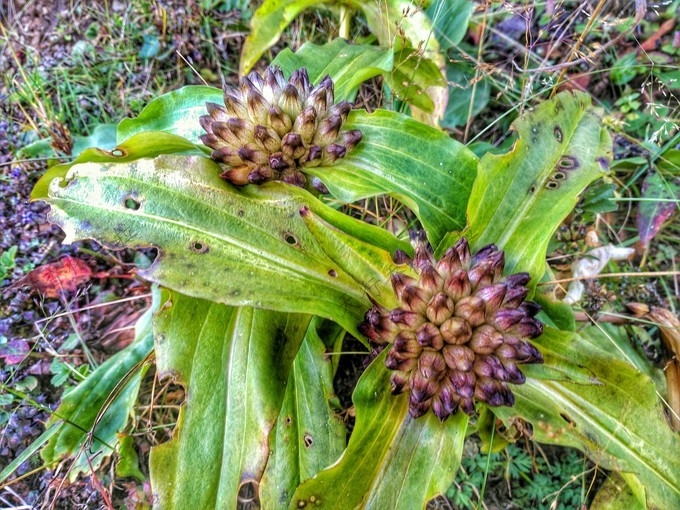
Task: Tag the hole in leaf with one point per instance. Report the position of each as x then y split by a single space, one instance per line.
552 185
558 134
288 420
566 418
333 273
289 238
199 247
568 163
240 213
117 153
131 203
559 176
532 190
248 494
308 440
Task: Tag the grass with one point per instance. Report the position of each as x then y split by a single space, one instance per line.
109 62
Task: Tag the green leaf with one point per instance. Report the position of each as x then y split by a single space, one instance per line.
371 267
616 494
239 247
520 198
141 145
176 112
267 25
349 65
450 19
417 164
463 88
97 410
411 77
617 419
103 137
234 364
392 460
309 434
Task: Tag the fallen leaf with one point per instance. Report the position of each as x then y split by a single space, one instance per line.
60 277
659 202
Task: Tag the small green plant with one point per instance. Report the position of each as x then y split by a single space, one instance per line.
7 262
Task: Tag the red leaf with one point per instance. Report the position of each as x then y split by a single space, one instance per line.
59 277
658 205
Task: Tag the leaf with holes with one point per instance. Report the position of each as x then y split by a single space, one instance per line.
616 418
310 434
392 460
234 364
238 247
520 198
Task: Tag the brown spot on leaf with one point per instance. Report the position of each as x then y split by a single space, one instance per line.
132 203
558 134
199 247
568 163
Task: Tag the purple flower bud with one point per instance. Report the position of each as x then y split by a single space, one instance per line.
464 383
422 387
506 318
431 365
305 124
250 153
399 382
332 153
463 250
485 339
406 317
528 327
351 138
293 177
430 279
401 257
472 309
279 161
413 298
457 285
439 308
268 138
492 295
399 282
292 146
279 121
260 175
456 331
428 336
514 296
458 357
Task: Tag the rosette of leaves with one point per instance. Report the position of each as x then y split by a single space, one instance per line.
460 331
270 128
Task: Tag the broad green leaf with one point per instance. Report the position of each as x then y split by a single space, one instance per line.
419 165
369 266
234 364
309 434
412 76
616 494
617 419
349 65
141 145
392 460
247 247
450 19
267 25
520 198
463 88
176 112
93 413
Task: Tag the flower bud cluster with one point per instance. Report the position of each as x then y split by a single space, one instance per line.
460 332
269 128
